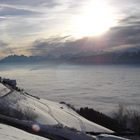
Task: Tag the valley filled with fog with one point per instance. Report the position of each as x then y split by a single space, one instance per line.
102 87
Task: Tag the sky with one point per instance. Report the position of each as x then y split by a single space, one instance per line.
42 27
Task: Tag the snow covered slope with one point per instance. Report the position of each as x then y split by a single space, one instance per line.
50 113
3 90
47 117
11 133
109 137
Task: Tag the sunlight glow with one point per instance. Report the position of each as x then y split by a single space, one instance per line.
96 18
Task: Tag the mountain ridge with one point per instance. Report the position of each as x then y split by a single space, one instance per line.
131 56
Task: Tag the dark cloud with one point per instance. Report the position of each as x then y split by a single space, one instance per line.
58 46
118 37
8 11
47 46
126 33
47 3
131 20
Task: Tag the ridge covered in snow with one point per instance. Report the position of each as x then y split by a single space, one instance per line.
54 120
3 90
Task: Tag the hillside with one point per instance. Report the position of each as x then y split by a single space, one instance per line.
45 118
115 57
21 59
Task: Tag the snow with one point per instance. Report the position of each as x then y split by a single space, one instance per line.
11 133
3 90
51 113
50 117
70 118
109 137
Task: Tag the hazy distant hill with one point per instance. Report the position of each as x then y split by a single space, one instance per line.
21 59
109 58
116 57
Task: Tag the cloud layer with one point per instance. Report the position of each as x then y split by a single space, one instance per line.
26 27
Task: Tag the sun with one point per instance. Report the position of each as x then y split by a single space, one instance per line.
95 19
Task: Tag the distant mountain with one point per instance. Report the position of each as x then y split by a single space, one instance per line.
108 58
21 59
125 56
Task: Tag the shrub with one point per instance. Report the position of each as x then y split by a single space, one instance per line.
129 118
17 112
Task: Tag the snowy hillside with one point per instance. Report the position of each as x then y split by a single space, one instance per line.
11 133
3 90
55 120
51 113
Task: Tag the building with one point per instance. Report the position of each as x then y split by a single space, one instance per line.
9 82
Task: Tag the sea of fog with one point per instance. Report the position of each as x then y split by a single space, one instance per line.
102 87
